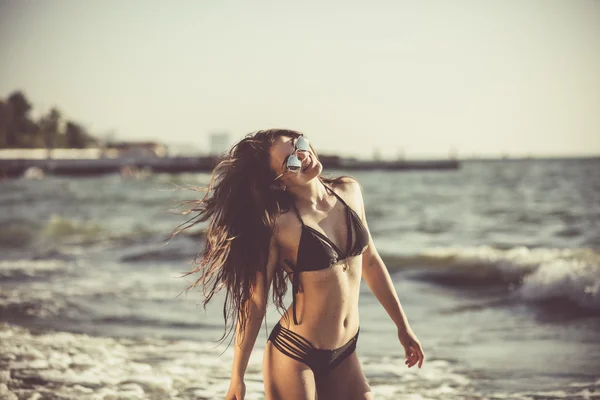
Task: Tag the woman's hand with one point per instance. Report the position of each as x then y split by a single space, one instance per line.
412 347
237 390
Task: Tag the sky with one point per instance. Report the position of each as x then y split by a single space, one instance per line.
420 78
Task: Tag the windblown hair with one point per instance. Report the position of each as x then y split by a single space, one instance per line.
241 204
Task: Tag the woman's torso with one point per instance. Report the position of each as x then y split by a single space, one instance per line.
327 301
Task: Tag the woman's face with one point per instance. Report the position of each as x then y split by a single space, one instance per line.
280 150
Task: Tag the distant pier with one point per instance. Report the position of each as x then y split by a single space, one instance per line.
100 166
397 165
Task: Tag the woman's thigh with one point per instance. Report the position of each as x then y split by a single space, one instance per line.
346 381
286 378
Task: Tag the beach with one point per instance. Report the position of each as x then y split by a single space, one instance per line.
497 266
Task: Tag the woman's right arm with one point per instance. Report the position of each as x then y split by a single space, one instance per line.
245 339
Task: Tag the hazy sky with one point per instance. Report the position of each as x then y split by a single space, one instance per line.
487 77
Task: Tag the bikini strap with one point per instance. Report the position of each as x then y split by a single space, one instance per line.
336 195
295 269
326 187
297 213
348 218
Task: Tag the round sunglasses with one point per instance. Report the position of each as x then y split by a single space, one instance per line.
292 162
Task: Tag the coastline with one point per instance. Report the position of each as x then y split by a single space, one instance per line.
15 167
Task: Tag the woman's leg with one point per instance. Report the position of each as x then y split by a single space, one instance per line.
346 381
286 378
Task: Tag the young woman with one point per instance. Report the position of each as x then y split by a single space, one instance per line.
273 217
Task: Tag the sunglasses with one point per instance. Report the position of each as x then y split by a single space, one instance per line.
292 162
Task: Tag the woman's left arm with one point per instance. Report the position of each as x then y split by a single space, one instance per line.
378 279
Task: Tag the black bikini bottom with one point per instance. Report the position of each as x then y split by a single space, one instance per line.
320 361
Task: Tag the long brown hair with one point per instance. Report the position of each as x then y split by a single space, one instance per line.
241 204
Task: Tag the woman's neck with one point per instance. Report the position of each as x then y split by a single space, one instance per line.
312 195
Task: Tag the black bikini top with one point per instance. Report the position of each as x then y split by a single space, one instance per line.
316 251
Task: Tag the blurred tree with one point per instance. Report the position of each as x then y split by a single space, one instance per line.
77 137
3 123
49 125
18 110
30 135
109 137
17 130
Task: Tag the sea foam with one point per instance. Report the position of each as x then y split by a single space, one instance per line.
532 274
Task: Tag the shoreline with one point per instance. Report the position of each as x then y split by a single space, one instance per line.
101 166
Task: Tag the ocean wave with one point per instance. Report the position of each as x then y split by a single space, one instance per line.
575 279
69 365
163 254
17 234
434 226
56 364
140 321
59 230
74 365
184 246
28 269
538 274
41 304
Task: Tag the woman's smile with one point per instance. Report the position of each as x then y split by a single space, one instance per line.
308 164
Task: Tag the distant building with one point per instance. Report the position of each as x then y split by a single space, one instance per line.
401 154
377 154
135 149
219 143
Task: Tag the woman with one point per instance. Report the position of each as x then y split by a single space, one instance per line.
272 217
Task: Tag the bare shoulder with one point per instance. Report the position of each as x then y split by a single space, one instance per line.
285 220
285 226
350 190
348 186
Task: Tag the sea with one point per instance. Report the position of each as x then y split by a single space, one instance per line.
496 264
